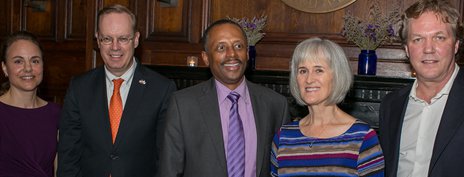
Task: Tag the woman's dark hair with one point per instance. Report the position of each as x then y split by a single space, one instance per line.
20 35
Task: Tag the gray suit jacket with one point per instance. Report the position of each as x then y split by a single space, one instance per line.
193 141
448 155
85 144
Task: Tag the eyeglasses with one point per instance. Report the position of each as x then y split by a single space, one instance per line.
121 40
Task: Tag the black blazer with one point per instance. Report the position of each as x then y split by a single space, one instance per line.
448 155
85 145
193 144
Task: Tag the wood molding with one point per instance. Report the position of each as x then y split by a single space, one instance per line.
175 29
76 23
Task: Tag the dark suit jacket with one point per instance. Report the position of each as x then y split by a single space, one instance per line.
193 141
85 144
448 154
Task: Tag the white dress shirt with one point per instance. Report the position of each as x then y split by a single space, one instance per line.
124 90
420 127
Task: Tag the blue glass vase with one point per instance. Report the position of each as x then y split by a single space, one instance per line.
367 63
251 57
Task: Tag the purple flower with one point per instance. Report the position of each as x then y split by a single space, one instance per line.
370 32
390 30
251 26
370 26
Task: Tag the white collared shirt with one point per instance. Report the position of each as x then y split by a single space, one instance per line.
420 127
124 90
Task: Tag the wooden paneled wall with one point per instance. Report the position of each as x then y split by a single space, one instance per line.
171 33
61 28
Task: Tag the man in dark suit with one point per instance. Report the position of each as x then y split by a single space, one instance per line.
197 137
422 125
107 129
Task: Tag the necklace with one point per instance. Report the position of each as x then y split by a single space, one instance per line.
316 138
311 145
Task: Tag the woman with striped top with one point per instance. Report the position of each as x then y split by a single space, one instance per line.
327 141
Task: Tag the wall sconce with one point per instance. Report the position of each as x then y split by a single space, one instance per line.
36 5
192 61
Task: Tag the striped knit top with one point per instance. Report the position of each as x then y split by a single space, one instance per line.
356 152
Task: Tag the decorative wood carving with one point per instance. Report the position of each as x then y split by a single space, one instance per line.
318 6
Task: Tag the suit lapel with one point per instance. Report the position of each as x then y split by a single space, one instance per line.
261 128
451 119
395 124
101 99
136 93
208 103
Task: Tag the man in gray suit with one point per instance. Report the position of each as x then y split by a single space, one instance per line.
197 132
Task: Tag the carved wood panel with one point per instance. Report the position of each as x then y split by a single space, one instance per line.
168 23
5 17
39 17
173 32
76 11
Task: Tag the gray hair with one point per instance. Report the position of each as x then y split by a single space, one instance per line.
317 49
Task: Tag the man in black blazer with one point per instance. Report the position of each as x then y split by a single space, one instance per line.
88 145
422 125
196 135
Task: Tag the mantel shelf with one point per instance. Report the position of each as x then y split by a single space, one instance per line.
362 101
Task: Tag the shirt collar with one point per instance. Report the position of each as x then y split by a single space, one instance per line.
223 91
444 91
127 76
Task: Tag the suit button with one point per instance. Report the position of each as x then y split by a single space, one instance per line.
114 157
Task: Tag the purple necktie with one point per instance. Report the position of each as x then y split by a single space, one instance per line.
236 140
